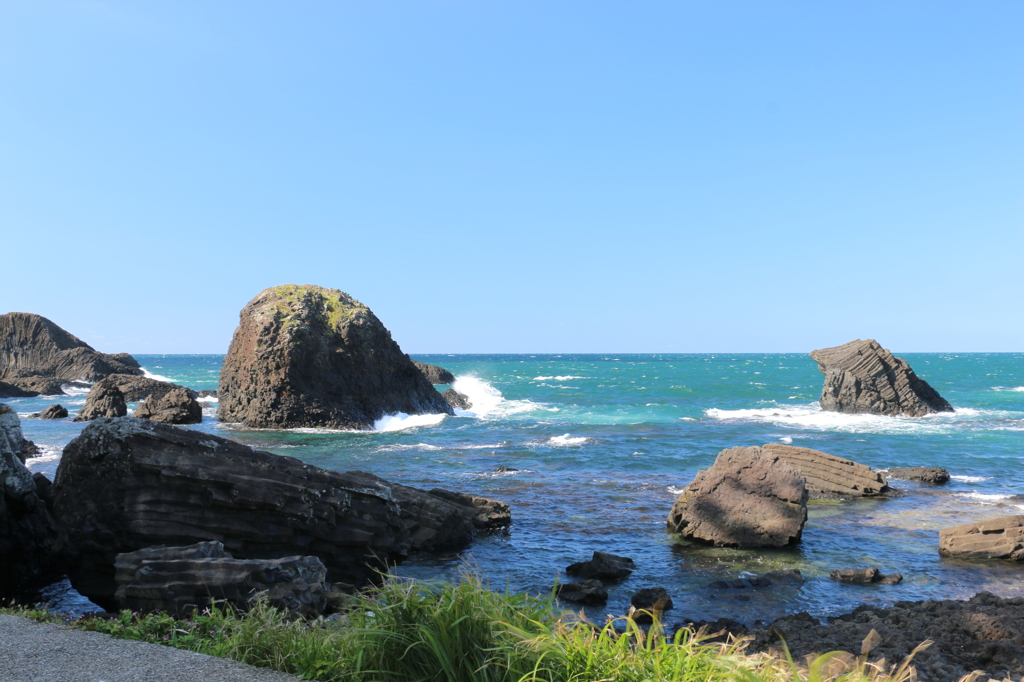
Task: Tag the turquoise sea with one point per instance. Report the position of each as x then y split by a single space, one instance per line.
590 451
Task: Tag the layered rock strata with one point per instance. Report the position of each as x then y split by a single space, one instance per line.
749 497
179 580
27 529
998 538
309 356
33 346
862 377
127 484
435 374
827 476
176 406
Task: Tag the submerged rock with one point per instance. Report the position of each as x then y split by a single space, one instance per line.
176 406
127 484
830 477
179 580
998 538
33 346
104 400
309 356
27 529
865 576
933 475
748 498
435 374
862 377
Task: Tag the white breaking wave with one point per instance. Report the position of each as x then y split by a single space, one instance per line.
159 377
74 390
207 399
567 440
1019 389
565 378
400 446
970 479
675 490
988 498
46 454
786 439
487 401
401 421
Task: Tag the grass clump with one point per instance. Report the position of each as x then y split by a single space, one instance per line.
414 632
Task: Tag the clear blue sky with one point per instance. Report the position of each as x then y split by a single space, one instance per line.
520 176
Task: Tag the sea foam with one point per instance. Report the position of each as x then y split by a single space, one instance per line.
401 421
487 401
159 377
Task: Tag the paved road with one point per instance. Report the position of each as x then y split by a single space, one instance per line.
44 652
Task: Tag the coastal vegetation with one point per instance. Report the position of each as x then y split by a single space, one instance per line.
408 631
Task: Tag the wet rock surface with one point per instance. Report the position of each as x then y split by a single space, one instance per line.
830 477
998 538
587 592
602 566
748 498
310 356
176 406
33 346
933 475
862 377
456 399
435 374
865 576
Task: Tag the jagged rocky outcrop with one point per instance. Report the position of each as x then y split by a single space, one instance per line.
310 356
933 475
862 377
136 388
748 498
55 411
36 385
985 633
828 477
456 399
104 400
127 484
998 538
176 406
11 391
435 374
179 580
27 529
33 346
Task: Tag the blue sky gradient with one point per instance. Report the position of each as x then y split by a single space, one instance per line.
520 176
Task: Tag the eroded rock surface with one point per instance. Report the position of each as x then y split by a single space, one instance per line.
862 377
33 346
55 411
456 399
749 497
309 356
435 374
136 388
998 538
828 476
176 406
933 475
127 484
179 580
104 400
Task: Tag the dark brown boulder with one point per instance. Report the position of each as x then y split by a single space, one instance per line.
309 356
179 580
603 566
27 529
136 388
588 592
456 399
127 484
748 498
865 576
998 538
45 385
933 475
55 411
862 377
176 406
33 346
648 602
435 374
104 400
829 477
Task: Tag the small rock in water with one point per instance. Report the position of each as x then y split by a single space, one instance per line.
55 411
602 566
865 576
649 599
934 475
588 592
505 470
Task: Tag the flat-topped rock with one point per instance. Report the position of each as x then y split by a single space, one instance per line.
933 475
749 497
33 346
126 484
308 356
998 538
861 377
830 477
435 374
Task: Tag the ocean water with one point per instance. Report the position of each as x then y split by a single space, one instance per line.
590 451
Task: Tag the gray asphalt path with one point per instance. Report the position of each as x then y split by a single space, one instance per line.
44 652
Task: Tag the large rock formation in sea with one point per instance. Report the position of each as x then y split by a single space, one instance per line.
309 356
32 346
862 377
998 538
27 529
126 484
104 400
749 497
828 477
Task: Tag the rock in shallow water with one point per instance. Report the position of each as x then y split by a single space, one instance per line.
310 356
998 538
176 406
603 566
748 498
104 400
435 374
830 477
55 411
933 475
862 377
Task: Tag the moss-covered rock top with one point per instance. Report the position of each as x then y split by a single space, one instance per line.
299 302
